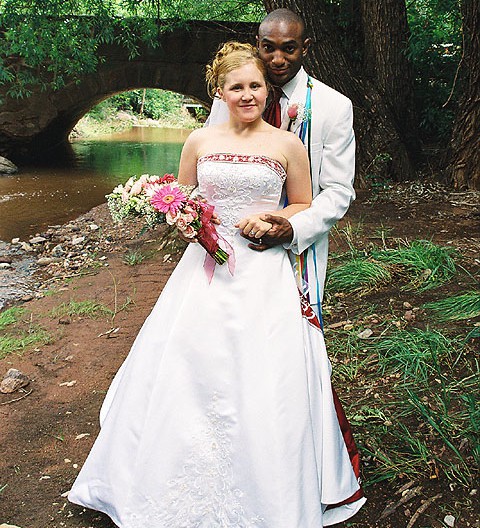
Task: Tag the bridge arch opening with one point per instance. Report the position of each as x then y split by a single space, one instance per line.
39 126
140 107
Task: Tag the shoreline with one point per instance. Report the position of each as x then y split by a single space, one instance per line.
29 268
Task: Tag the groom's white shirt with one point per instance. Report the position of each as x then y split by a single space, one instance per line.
332 158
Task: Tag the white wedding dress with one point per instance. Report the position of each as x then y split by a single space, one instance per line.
222 414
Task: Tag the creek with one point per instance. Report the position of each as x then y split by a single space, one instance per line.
38 197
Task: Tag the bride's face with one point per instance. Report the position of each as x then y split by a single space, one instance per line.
245 92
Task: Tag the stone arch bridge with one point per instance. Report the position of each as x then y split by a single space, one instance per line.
37 127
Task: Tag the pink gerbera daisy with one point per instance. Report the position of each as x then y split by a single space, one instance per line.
168 199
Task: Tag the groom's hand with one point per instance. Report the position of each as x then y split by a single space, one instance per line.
281 232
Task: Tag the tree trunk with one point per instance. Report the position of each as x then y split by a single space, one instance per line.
381 153
465 164
385 47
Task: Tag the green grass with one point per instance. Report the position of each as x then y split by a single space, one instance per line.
10 316
90 309
18 335
427 264
456 308
416 353
21 340
132 258
357 273
414 402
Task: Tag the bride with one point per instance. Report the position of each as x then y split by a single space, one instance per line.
222 414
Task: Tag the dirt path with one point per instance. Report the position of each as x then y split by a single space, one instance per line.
46 435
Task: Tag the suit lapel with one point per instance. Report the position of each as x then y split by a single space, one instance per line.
298 97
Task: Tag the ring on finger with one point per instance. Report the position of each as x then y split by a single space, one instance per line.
252 233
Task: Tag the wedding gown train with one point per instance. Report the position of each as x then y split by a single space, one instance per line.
222 414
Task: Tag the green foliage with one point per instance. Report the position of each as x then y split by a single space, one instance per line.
435 51
87 308
18 335
16 343
157 104
10 316
47 44
423 264
430 265
456 308
419 411
357 273
132 258
416 353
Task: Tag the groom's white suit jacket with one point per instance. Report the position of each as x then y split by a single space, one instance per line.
332 159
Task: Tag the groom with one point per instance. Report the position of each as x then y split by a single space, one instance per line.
327 135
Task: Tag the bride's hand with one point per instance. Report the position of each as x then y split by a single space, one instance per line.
253 226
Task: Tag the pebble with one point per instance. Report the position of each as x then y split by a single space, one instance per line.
13 380
77 240
93 227
5 525
407 305
5 265
449 520
15 240
26 246
37 240
5 260
58 251
44 261
365 334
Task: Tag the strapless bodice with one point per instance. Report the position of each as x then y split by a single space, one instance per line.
239 185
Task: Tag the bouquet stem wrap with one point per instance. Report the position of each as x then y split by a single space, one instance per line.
212 242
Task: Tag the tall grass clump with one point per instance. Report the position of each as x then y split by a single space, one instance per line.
10 316
87 308
456 308
22 340
357 273
428 264
17 337
416 353
132 258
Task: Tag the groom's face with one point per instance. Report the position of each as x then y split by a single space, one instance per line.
282 48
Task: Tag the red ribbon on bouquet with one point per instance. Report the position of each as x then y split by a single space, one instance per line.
213 243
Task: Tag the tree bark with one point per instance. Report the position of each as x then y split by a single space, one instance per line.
381 153
386 35
465 164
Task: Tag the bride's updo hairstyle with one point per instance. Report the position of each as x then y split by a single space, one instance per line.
229 57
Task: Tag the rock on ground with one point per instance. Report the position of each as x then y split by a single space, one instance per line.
7 167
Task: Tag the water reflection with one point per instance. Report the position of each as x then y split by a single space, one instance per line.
42 196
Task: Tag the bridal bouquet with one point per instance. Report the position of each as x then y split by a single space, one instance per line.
160 199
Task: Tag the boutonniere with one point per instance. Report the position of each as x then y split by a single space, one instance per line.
298 112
